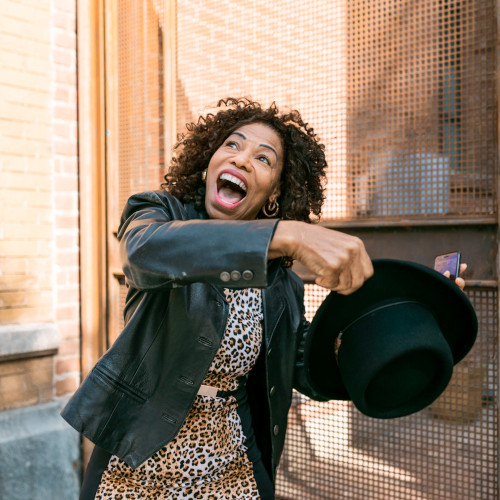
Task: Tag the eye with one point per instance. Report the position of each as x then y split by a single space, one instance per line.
264 159
232 145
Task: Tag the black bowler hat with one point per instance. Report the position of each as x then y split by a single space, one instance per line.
390 346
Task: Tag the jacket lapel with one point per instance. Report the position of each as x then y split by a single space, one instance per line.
272 303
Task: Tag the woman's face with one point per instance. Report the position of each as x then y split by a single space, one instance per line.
244 173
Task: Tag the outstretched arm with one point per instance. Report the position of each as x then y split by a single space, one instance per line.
160 247
339 260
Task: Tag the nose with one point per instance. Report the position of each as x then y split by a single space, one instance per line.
242 160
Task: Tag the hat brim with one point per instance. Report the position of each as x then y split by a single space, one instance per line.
392 279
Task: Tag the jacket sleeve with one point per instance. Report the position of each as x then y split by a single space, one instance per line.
161 247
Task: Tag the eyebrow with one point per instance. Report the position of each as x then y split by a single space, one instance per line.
263 145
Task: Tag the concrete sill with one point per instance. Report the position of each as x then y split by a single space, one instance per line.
28 340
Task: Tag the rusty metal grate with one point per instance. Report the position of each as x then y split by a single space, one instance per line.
290 52
140 97
403 95
447 451
138 137
421 129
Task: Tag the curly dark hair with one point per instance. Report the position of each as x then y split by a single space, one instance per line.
303 175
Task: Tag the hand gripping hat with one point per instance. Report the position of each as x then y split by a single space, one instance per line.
390 346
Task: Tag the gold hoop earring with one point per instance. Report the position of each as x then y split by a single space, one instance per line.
270 209
204 176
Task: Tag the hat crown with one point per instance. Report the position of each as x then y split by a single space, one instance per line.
406 360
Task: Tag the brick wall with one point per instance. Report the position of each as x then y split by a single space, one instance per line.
66 194
38 201
26 221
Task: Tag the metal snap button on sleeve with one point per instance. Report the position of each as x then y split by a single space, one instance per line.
224 276
235 275
247 274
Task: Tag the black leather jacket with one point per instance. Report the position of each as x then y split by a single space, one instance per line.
137 396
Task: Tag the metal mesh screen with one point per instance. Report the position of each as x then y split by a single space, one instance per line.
286 51
421 130
140 97
140 122
403 95
447 451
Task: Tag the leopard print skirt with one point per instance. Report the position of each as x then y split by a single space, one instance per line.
208 459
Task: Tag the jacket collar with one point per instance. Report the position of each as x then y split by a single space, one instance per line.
192 213
273 307
272 299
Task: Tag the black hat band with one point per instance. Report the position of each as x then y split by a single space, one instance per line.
338 339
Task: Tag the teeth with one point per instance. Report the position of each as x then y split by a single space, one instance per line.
234 180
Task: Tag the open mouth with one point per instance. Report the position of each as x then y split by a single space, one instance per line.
231 190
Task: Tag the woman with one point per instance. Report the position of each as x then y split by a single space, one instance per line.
191 401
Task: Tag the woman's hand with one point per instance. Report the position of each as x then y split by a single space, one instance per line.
339 260
459 281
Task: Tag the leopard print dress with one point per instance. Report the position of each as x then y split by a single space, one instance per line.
208 457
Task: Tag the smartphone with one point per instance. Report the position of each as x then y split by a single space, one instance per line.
448 262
